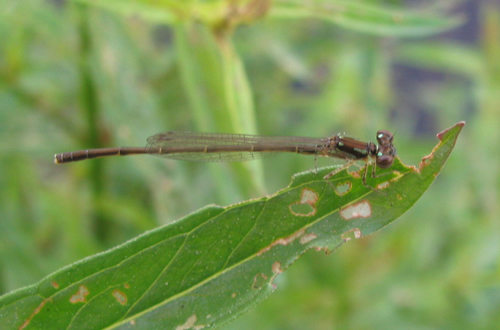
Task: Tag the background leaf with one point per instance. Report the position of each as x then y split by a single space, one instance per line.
309 77
362 16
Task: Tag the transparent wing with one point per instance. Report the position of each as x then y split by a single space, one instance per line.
220 147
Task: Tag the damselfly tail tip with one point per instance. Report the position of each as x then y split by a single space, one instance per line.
56 159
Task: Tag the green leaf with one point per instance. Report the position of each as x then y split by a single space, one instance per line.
219 105
166 11
354 15
214 264
450 57
367 18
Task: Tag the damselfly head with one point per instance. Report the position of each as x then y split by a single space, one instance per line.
386 150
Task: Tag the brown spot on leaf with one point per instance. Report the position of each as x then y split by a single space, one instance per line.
283 241
307 238
348 235
189 324
383 185
276 267
355 174
120 297
80 295
36 311
426 160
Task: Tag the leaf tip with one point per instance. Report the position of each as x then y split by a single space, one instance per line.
458 125
447 139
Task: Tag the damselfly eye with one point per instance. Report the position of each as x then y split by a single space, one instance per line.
384 137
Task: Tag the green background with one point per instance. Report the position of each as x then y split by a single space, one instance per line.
74 77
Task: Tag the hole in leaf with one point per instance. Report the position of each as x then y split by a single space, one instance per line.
343 188
307 204
259 281
302 209
358 210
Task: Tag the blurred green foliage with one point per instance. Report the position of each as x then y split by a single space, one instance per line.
74 77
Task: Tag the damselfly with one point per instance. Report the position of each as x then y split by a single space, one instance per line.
217 147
